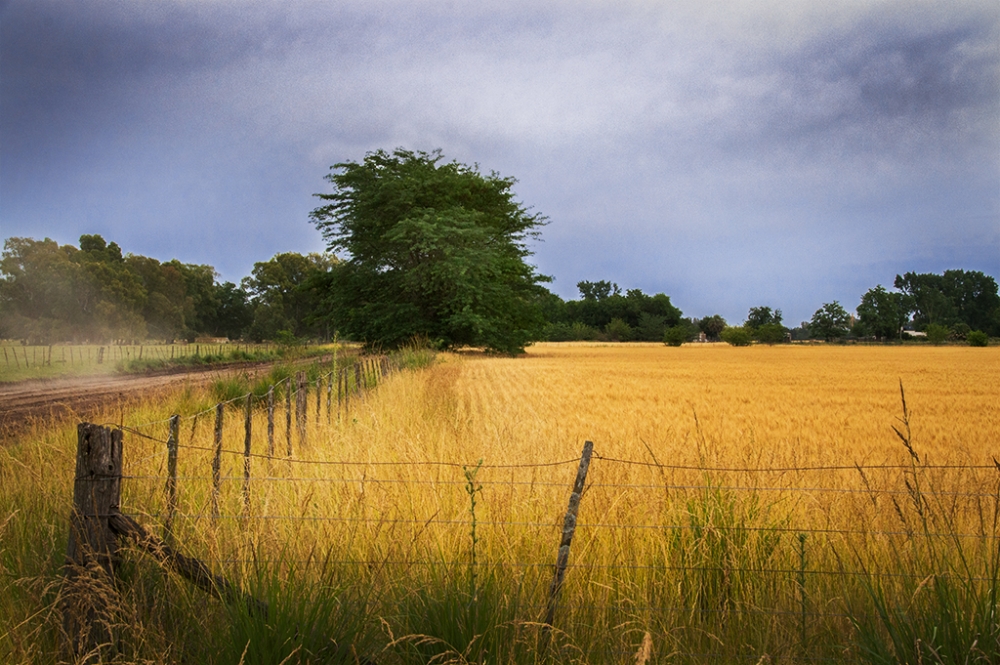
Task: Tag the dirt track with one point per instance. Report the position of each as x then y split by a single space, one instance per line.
25 400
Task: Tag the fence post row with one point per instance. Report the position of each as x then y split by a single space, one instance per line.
569 527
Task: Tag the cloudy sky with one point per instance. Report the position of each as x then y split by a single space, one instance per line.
730 154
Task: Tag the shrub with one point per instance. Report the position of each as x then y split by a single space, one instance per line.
618 330
977 338
771 333
736 336
936 334
676 335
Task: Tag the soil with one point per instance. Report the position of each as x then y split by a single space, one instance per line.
25 401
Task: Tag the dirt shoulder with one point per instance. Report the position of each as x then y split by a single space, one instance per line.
24 401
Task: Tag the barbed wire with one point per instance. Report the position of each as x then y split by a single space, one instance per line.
826 531
528 483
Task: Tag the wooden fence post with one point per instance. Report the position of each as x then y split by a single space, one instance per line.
92 549
301 406
569 527
247 421
357 378
171 488
217 459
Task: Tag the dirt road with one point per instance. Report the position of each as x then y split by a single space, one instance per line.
25 400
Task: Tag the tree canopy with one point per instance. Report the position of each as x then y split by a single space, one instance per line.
432 249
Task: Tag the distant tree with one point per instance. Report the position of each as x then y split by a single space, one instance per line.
712 326
830 322
737 335
762 316
651 327
882 314
283 295
598 290
957 296
432 249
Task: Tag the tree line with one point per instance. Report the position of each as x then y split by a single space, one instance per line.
432 250
62 293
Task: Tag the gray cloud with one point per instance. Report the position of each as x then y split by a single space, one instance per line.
726 153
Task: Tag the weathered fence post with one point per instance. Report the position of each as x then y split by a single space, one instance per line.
357 378
92 549
217 459
247 421
569 527
171 488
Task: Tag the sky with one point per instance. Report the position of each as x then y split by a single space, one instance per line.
729 154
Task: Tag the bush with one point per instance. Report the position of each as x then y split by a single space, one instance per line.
676 335
936 334
977 338
736 336
771 333
618 331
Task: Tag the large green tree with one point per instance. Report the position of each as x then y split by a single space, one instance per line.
433 249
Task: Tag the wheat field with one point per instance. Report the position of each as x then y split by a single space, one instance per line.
743 504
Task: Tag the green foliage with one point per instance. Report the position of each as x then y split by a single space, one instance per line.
618 331
51 293
603 301
936 333
736 336
977 338
676 335
436 250
285 294
771 333
830 322
956 296
882 314
762 316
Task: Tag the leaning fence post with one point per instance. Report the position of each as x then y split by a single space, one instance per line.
96 494
171 488
569 527
217 459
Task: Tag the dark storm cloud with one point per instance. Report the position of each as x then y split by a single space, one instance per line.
727 153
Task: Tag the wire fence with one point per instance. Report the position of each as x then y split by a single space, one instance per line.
721 563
